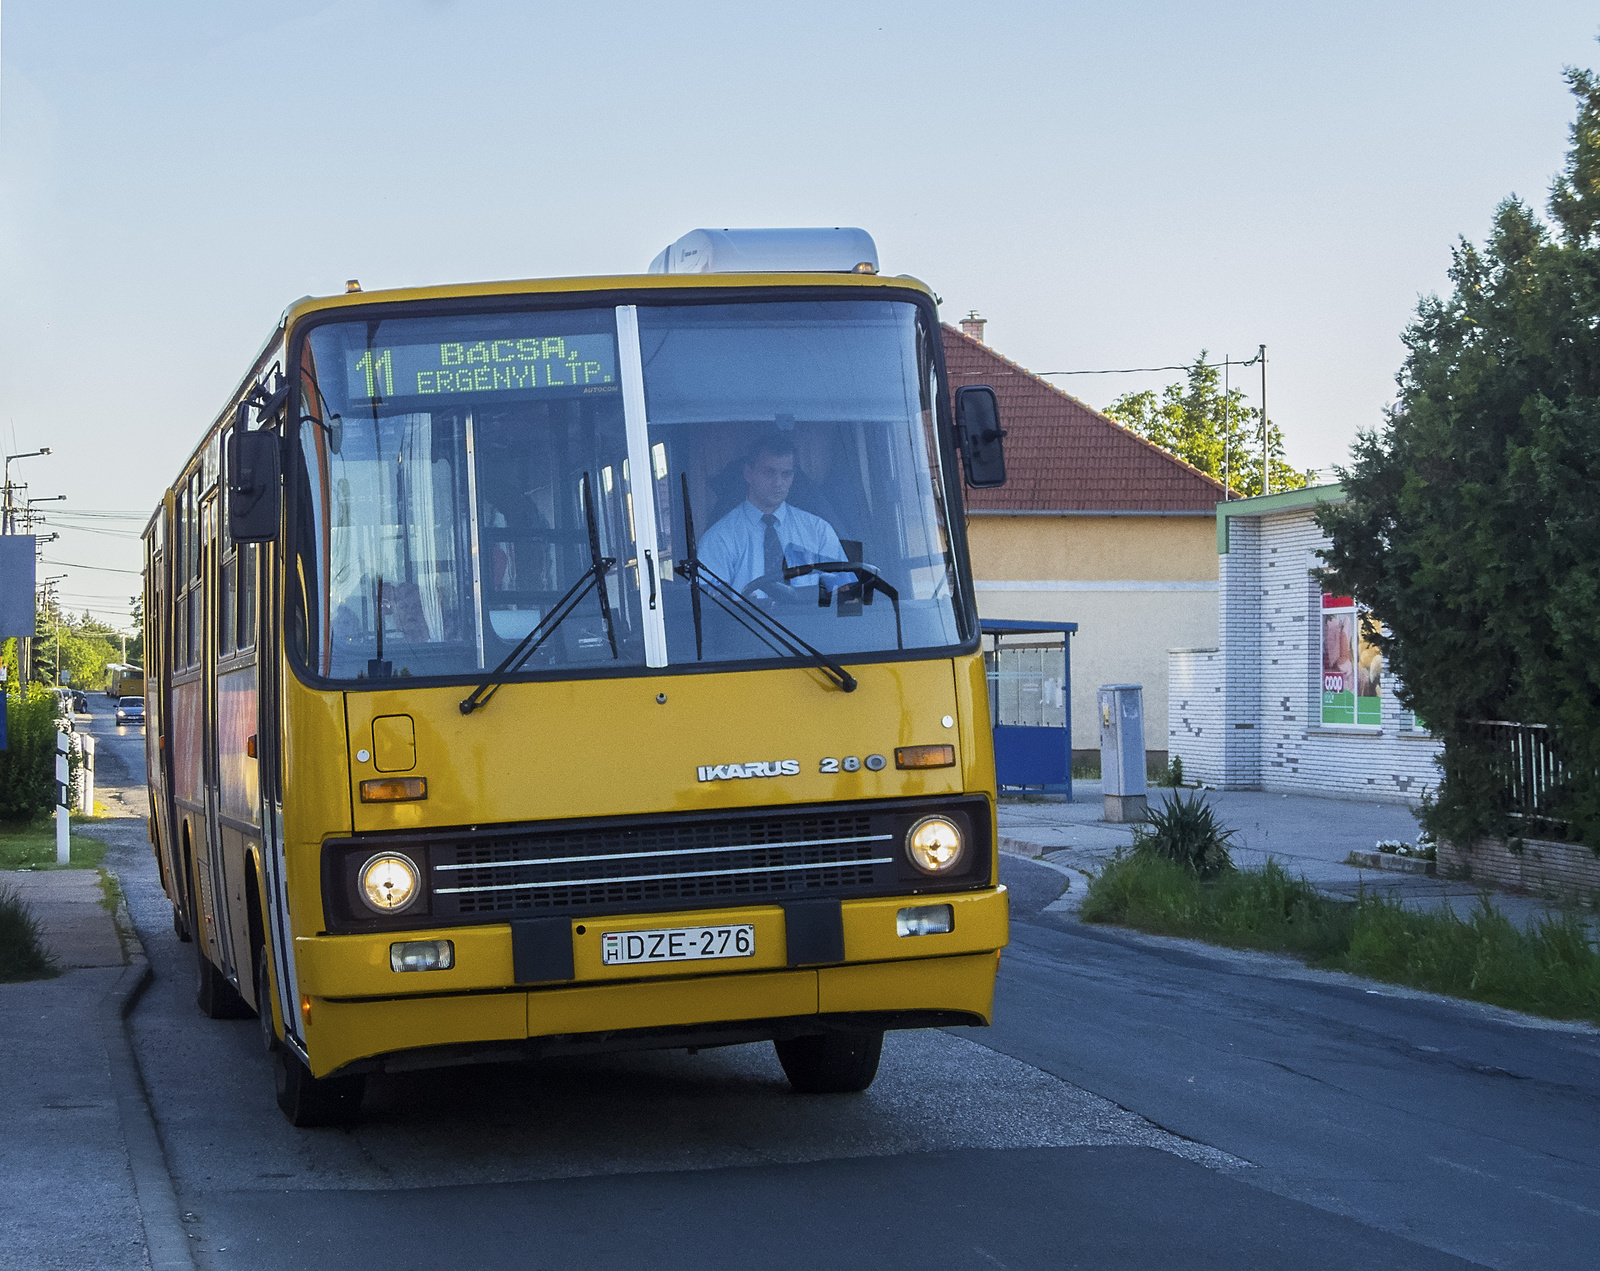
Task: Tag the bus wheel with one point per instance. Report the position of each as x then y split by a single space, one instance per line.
308 1100
216 998
833 1063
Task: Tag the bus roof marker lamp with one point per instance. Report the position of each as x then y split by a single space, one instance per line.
836 250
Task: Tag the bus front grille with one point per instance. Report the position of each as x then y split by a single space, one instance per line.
671 865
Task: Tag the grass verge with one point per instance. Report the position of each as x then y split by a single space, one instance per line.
1549 968
22 952
33 846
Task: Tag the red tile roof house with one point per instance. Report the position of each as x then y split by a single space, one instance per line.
1095 526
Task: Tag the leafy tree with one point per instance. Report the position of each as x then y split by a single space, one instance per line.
84 646
1213 431
1473 521
136 644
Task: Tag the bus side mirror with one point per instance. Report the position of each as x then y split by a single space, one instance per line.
978 429
253 486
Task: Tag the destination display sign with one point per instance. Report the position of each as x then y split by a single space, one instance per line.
522 364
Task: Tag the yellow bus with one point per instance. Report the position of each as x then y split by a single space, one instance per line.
124 680
580 664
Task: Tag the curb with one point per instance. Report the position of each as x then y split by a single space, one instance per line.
166 1242
1393 863
1034 854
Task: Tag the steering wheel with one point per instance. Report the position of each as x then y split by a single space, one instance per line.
778 590
776 585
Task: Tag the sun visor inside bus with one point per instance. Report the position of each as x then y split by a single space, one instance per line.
770 251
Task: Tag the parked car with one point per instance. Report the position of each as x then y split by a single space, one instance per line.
80 701
130 710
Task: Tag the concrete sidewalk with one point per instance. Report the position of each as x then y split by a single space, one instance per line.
71 1197
1308 837
86 1182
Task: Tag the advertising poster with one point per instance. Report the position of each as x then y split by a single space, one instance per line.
1338 660
1369 676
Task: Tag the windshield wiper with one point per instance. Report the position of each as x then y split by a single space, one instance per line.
766 628
592 577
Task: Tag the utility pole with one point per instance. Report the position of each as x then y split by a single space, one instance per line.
1266 432
1227 485
8 516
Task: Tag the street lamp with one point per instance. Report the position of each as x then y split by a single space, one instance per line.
48 498
6 516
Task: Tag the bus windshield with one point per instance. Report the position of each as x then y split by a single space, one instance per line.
718 464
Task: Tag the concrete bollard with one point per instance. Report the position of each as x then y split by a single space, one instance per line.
1122 775
63 794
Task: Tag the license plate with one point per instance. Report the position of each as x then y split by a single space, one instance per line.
677 944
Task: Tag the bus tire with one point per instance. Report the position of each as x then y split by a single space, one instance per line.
216 998
832 1063
310 1101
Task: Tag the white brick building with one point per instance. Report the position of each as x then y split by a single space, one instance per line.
1293 699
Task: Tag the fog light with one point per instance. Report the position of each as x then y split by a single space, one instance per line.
934 845
425 955
921 920
389 882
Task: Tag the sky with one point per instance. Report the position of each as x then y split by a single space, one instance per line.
1109 185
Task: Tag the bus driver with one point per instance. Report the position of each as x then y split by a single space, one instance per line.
765 533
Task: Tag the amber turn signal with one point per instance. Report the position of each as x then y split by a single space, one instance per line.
250 745
394 789
924 756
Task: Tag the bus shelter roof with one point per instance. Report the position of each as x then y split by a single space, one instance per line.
1008 626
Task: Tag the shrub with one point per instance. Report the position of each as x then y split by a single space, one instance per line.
28 764
1186 831
22 952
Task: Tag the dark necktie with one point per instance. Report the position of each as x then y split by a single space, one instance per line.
771 549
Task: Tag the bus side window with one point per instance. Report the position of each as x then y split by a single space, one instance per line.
226 607
247 595
180 585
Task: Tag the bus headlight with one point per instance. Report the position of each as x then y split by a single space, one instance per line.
935 845
389 882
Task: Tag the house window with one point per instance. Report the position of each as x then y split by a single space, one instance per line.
1352 667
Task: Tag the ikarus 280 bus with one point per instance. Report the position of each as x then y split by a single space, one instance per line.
583 664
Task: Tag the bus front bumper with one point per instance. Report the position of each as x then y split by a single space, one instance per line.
356 1010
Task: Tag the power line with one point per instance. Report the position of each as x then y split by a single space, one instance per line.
104 569
1137 370
86 529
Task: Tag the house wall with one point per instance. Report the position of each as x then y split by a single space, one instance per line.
1248 716
1135 585
1197 715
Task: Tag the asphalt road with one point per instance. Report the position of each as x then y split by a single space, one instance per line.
1139 1103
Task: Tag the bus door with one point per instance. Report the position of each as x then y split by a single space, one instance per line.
223 880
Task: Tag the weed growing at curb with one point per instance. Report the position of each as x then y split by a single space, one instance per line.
22 952
1548 969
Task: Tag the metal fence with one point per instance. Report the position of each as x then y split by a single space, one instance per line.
1530 772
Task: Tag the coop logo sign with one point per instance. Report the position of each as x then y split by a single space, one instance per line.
744 771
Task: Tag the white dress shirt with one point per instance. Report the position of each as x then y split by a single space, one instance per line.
734 548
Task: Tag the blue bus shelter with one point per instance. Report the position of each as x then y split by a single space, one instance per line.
1030 702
